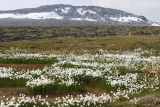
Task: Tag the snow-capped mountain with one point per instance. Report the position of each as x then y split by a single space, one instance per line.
75 14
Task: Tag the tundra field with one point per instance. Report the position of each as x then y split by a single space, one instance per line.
109 70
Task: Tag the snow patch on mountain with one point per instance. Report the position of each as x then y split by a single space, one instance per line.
85 19
42 15
90 11
155 24
81 11
103 19
64 10
78 19
89 19
126 19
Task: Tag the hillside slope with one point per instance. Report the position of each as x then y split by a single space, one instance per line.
71 15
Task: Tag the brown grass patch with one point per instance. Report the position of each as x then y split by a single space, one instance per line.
23 66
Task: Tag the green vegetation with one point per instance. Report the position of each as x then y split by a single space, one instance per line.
7 82
26 33
39 104
78 39
56 89
78 45
23 60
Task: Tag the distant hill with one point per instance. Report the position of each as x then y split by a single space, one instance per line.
67 15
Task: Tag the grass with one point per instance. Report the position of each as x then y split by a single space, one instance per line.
108 104
24 60
7 83
56 89
122 70
63 45
39 104
58 45
74 31
98 83
145 92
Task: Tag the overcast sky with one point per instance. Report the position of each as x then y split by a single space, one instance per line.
148 8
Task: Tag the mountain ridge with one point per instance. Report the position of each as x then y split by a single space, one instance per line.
69 13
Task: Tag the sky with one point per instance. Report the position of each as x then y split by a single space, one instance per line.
147 8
